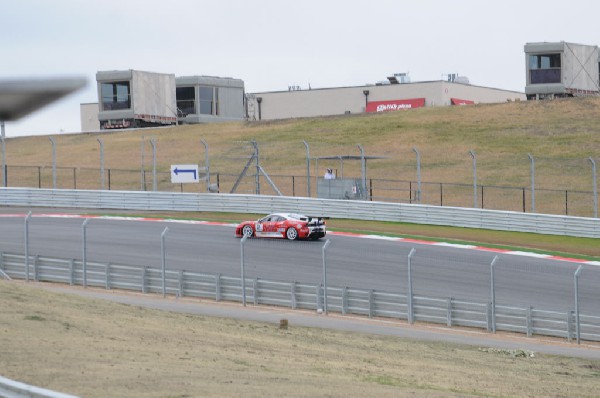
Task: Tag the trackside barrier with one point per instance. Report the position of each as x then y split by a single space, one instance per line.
261 204
15 389
296 295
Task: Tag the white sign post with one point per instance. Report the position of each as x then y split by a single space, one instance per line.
184 173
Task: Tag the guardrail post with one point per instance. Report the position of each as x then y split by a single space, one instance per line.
293 295
163 261
218 287
71 271
411 318
35 267
144 279
449 312
569 325
243 271
529 322
344 300
493 293
324 249
27 218
107 276
318 295
255 290
371 304
488 315
577 320
84 244
180 293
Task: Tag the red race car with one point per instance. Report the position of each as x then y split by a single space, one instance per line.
283 225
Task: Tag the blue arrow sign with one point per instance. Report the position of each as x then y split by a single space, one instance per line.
184 173
177 171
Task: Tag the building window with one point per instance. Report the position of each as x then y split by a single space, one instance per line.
544 68
209 101
115 95
186 100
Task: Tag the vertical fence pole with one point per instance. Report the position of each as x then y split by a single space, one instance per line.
206 165
101 163
418 175
163 261
594 187
53 162
154 182
493 292
577 322
143 173
3 154
474 157
243 271
363 171
84 243
307 168
532 160
325 246
27 218
411 318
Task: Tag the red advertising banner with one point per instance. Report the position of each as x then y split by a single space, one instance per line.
395 105
458 101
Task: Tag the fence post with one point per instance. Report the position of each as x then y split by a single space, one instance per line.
107 276
243 271
218 287
163 261
27 218
255 290
3 154
144 278
344 300
206 165
363 168
371 303
293 295
493 293
474 157
594 187
307 168
577 320
532 182
84 254
53 162
325 246
180 294
71 272
154 182
411 318
449 312
101 163
418 174
529 321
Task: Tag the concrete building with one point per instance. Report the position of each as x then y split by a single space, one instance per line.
394 95
561 69
88 113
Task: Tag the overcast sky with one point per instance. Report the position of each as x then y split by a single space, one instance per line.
272 44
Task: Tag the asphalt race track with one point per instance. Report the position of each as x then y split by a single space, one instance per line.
380 264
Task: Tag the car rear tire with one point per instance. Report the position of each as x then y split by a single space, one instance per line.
291 233
248 231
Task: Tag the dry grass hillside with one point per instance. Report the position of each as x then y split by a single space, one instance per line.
561 135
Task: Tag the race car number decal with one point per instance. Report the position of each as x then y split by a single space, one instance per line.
259 227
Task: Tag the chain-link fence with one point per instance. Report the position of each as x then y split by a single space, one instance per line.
542 185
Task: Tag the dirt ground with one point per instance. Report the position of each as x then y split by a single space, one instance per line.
94 348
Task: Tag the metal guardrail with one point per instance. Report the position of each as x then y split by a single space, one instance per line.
360 210
296 295
14 389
